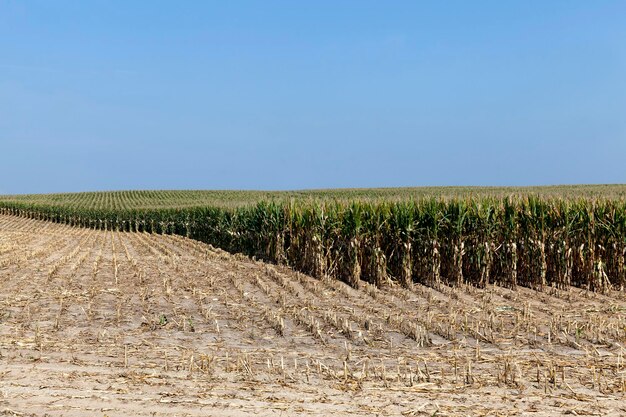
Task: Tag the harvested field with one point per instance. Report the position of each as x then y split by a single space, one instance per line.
97 322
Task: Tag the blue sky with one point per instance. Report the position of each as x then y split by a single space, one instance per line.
104 95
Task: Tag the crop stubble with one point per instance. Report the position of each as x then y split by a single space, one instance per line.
117 323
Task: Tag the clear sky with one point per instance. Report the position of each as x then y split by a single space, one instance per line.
100 95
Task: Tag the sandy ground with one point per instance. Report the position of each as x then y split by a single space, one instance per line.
118 324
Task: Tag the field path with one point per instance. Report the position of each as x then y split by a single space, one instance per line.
115 324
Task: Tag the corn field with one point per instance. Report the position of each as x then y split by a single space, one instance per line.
163 324
530 241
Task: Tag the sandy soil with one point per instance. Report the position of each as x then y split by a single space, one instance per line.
118 324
